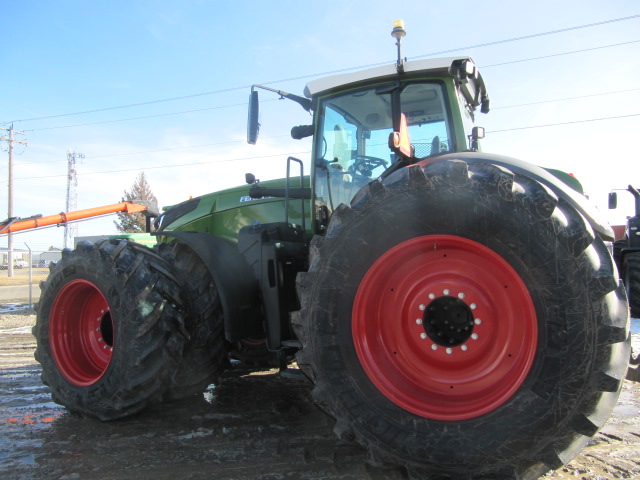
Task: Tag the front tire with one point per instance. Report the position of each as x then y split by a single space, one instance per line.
109 329
541 362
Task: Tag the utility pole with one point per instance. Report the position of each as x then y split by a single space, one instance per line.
11 141
72 197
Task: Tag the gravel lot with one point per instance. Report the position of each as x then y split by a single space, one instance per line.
259 425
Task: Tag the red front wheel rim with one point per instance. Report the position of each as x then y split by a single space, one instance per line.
81 332
444 327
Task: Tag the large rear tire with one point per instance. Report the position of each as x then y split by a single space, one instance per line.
109 329
462 321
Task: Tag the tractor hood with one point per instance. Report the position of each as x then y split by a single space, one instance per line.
224 212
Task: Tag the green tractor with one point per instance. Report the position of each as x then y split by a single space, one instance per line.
457 312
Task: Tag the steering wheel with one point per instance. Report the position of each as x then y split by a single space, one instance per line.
364 165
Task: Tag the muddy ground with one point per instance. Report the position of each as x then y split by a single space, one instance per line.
258 426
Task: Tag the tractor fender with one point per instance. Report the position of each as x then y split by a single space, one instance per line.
561 189
236 282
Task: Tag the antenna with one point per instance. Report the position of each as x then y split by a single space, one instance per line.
398 32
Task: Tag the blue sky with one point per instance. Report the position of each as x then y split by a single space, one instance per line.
188 67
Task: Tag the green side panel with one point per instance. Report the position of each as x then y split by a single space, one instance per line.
224 213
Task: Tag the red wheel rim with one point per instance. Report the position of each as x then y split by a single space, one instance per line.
408 324
81 332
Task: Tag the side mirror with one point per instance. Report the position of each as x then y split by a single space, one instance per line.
249 178
613 200
477 133
253 127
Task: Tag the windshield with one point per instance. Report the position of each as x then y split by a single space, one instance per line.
355 130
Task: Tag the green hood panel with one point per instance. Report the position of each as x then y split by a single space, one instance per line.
225 212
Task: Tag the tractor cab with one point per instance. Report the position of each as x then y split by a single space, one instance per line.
356 116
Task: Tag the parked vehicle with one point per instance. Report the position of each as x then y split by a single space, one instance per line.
626 251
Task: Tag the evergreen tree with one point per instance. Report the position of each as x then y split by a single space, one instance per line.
140 193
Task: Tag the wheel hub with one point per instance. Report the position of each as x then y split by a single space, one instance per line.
448 321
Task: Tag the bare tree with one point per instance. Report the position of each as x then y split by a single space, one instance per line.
140 192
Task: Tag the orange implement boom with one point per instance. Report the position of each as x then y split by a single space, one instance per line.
65 217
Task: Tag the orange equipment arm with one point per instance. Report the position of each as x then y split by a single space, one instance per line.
64 217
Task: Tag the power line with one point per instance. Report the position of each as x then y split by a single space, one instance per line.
197 110
139 104
139 118
282 136
564 99
533 35
230 89
564 123
172 165
559 54
244 104
308 152
217 107
168 149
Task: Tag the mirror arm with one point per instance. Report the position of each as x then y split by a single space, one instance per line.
303 102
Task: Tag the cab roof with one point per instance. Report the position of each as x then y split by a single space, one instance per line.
436 66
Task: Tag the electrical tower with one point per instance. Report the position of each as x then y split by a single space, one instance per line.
70 229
